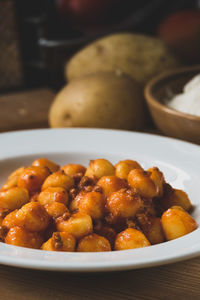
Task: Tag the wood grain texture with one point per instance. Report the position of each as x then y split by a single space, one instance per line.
175 281
25 110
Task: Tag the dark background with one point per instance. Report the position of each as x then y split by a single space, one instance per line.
46 39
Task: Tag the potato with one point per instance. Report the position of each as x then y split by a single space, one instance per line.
102 100
140 56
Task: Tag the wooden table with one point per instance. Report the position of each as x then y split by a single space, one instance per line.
175 281
25 110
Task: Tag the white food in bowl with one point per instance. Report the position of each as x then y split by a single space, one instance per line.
189 100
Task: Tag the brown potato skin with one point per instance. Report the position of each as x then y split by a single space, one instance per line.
141 56
101 100
93 243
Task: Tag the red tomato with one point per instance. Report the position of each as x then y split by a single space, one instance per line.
181 31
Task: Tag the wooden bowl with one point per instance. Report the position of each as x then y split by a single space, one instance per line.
172 122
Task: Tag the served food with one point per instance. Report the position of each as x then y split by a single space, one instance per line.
101 207
102 100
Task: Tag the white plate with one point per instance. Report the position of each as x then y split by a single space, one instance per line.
178 160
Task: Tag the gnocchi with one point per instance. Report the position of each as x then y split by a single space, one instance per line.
94 208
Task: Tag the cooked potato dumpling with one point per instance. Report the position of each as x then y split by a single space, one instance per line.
13 198
123 167
123 203
111 184
44 162
33 177
176 198
60 241
12 179
93 243
58 179
131 239
33 217
73 169
157 177
108 232
79 224
142 183
93 204
155 233
17 172
19 236
176 222
10 220
99 208
73 206
56 209
100 167
53 194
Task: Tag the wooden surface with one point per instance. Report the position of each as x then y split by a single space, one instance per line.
25 110
175 281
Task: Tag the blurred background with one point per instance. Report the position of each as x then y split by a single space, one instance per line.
39 37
